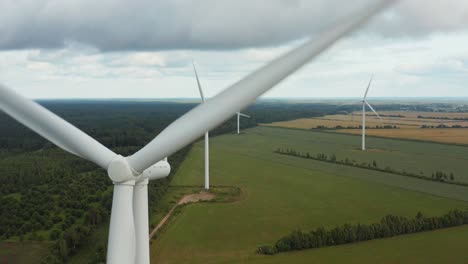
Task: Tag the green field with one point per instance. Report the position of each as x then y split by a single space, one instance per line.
406 155
436 247
29 252
282 193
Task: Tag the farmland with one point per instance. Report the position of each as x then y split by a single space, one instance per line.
443 135
354 120
429 126
282 193
426 115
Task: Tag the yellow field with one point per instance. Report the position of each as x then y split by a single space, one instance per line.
424 114
444 135
402 122
408 124
410 120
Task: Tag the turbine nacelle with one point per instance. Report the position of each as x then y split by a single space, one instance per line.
158 171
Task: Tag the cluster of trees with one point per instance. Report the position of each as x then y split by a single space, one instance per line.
389 226
442 176
384 115
437 176
57 201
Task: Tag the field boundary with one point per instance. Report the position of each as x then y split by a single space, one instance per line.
402 139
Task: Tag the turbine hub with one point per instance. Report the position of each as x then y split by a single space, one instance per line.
120 171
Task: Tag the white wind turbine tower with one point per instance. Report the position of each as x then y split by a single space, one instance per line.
364 103
239 114
129 232
207 144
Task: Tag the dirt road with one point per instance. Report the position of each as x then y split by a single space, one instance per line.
189 198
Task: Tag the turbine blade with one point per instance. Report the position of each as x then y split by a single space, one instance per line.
213 112
198 82
244 115
368 86
373 110
53 128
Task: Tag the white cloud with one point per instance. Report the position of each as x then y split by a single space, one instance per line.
93 45
210 24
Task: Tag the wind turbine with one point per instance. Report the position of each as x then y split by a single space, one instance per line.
364 103
128 240
207 143
239 114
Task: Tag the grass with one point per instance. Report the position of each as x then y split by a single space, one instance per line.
401 155
280 194
29 252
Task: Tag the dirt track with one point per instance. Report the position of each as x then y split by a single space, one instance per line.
189 198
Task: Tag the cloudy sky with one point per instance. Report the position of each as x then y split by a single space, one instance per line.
144 48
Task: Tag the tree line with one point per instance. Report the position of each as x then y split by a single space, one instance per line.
388 226
444 118
443 126
439 176
357 127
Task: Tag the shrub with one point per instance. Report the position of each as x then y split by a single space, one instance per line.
266 250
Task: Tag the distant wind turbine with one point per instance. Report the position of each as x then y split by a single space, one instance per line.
364 103
207 144
239 114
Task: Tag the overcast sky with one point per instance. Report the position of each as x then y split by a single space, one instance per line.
144 48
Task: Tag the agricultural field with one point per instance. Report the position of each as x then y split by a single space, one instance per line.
443 135
428 126
422 248
283 193
354 120
426 115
